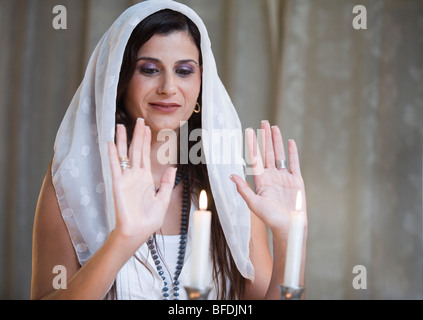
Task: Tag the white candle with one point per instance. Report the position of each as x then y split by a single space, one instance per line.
200 244
295 245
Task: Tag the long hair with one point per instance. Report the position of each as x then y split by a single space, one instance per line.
228 280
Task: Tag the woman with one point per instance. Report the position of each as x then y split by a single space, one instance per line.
116 215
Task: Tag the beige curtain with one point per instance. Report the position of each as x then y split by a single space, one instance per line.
352 99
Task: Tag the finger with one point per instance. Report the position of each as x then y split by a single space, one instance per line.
135 149
114 161
278 143
254 155
146 149
268 153
166 184
294 161
245 191
121 141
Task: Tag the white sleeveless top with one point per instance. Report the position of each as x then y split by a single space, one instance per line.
142 282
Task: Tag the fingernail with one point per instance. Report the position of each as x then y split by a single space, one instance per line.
140 119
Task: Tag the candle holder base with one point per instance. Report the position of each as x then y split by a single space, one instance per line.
290 293
197 294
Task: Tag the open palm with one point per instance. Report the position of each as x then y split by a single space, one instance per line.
140 211
276 189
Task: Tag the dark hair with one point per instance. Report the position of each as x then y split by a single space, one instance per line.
229 282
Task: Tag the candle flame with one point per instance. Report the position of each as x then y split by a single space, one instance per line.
203 200
299 202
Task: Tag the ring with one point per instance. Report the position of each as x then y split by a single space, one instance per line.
125 163
281 164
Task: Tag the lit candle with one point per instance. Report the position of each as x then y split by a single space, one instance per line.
294 251
200 244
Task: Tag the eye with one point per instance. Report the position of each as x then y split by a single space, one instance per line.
185 71
149 71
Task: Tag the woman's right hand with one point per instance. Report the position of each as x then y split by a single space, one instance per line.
140 211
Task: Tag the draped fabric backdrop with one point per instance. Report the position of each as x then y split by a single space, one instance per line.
352 99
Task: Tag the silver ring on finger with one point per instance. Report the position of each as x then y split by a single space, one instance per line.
281 164
125 163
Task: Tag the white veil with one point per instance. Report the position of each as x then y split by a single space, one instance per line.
81 171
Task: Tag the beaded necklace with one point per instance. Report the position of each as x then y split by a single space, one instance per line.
182 245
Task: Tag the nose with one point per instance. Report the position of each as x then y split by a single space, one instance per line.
167 85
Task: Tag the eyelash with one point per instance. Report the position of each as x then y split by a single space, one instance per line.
184 72
153 71
149 71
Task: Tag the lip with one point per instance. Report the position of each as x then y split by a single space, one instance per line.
165 107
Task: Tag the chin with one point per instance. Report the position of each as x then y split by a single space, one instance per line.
157 127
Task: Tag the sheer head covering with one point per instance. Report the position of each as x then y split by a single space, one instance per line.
80 168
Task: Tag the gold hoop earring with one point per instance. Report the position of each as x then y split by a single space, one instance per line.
197 108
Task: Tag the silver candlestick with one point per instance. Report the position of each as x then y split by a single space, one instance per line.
290 293
197 294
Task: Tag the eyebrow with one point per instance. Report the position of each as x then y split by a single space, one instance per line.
158 60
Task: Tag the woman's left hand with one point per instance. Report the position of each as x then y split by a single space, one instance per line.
276 189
